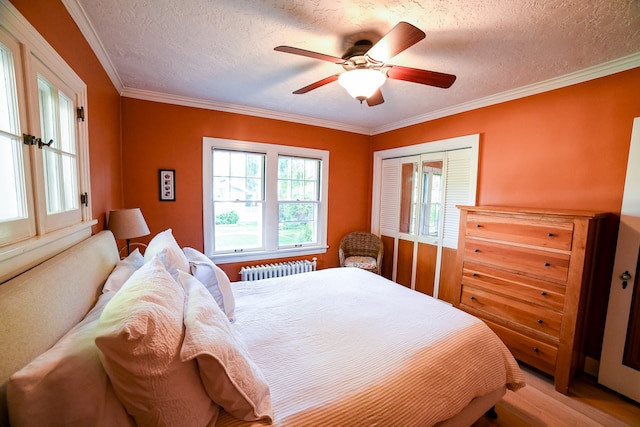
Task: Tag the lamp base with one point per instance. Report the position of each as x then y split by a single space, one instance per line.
128 248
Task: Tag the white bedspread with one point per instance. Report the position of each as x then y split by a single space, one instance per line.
346 347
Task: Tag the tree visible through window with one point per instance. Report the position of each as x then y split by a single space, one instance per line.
238 200
298 198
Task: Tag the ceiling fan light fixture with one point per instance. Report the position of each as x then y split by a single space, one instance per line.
361 83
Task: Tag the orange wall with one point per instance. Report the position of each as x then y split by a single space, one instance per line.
52 21
564 149
157 135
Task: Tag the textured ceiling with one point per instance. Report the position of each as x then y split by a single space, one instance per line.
221 51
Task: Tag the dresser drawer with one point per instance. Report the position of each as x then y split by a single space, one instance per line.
521 312
556 235
542 263
529 350
544 293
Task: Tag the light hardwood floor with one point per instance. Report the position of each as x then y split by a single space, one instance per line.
587 404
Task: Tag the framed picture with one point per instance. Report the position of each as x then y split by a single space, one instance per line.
167 182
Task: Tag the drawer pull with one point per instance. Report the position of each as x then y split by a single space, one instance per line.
476 250
546 264
549 234
543 293
474 274
477 225
540 321
472 298
535 349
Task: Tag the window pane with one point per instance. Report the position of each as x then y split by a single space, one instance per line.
57 120
297 223
238 226
298 179
52 181
12 190
238 195
46 95
284 168
238 176
67 118
70 184
431 198
12 187
8 99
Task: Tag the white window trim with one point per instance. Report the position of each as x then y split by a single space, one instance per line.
18 257
457 143
271 251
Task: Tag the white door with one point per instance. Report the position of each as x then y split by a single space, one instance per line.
613 372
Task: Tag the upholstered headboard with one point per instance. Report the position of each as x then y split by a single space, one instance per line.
38 307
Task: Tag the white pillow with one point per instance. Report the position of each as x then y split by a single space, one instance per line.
165 246
139 335
228 373
67 384
123 270
213 278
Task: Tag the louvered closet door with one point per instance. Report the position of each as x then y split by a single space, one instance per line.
390 213
461 171
418 215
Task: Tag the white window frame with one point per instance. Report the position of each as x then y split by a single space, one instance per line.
45 240
270 225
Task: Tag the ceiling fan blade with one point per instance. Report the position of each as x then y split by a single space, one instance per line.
317 84
309 54
375 99
425 77
399 38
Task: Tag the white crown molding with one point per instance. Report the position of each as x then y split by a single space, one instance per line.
239 109
618 65
79 16
82 21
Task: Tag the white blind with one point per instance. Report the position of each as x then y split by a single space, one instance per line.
390 197
459 190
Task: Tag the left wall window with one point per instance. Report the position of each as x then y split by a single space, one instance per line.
44 167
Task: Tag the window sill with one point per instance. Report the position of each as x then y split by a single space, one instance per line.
266 255
21 256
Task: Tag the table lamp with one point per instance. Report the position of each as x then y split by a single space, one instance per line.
127 224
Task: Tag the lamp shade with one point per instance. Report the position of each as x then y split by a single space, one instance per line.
361 83
127 223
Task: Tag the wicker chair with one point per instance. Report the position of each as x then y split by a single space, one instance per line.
361 249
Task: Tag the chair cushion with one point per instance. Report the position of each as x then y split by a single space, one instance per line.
363 262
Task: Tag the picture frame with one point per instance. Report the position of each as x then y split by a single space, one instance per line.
167 185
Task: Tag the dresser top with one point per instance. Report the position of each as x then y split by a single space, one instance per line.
534 211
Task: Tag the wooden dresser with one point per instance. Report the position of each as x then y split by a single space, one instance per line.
526 273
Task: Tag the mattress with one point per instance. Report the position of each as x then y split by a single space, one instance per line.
344 347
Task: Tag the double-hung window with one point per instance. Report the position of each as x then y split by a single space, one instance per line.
263 201
44 159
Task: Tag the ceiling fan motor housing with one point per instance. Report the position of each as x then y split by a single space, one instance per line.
355 57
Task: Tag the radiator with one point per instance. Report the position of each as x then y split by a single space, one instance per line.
266 271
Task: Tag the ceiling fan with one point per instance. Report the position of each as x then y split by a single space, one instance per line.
367 68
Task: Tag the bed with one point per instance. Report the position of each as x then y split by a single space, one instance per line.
338 346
